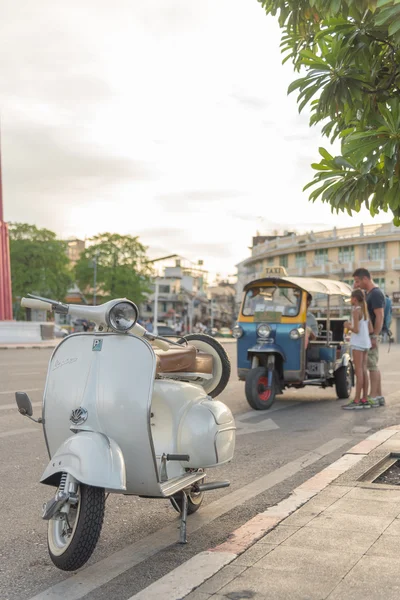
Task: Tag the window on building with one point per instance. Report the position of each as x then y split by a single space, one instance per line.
321 256
270 261
380 282
164 289
300 259
376 251
346 254
164 306
283 260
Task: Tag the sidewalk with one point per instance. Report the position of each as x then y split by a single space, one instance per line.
335 538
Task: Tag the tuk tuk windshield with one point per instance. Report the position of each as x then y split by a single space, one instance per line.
271 303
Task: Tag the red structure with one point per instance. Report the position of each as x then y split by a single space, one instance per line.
6 313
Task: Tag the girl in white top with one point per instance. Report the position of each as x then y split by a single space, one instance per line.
360 344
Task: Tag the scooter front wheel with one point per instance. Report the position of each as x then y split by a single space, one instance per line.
72 536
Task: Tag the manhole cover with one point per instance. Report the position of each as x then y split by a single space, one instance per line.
391 476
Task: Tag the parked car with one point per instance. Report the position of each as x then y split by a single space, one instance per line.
224 332
213 331
60 332
82 325
165 330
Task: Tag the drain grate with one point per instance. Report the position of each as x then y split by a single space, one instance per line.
384 472
391 476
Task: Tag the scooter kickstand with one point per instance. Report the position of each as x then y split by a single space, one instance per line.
182 537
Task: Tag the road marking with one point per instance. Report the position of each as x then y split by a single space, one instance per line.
259 414
19 373
188 576
32 363
89 579
245 428
31 390
14 405
19 431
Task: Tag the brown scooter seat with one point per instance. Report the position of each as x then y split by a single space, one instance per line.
183 360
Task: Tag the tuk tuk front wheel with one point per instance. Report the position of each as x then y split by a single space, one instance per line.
344 381
257 394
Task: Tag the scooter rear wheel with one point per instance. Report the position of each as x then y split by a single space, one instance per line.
195 500
72 540
221 363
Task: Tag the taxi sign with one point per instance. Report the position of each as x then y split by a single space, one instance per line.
275 271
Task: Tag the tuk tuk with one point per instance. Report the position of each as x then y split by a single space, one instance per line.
274 350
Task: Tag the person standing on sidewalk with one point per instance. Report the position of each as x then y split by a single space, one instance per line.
376 309
360 344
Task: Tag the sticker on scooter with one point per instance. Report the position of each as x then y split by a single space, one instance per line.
97 345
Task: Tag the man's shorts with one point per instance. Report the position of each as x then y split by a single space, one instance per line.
373 358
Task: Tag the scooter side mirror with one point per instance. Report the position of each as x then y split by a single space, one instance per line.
24 404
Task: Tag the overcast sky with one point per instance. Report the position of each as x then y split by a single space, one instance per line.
167 119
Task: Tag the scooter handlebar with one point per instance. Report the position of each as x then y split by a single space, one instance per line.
142 332
35 304
161 344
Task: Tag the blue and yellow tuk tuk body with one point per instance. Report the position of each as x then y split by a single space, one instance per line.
274 349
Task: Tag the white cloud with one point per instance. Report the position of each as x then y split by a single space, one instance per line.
167 119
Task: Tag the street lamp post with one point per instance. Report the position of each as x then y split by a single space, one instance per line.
155 328
191 309
95 277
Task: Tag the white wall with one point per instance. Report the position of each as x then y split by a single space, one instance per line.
12 332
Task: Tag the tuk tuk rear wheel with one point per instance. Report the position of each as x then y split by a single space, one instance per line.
257 395
344 381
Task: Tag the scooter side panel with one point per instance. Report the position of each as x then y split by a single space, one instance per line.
110 376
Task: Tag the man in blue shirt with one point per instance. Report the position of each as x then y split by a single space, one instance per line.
376 308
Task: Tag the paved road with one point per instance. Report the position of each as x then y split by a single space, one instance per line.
276 451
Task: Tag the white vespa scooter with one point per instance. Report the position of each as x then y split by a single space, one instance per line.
121 417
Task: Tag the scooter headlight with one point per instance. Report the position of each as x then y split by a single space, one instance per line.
122 316
263 330
237 332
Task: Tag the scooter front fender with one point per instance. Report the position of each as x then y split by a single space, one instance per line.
91 458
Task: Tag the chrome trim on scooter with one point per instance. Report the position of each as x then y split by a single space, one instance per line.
171 487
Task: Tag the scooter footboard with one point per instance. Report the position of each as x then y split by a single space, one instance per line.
91 458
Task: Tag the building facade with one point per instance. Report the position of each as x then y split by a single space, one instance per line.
333 254
222 305
182 292
75 248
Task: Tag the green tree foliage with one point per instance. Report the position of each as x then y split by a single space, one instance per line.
348 55
123 270
39 263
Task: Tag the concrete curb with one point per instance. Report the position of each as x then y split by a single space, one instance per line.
190 575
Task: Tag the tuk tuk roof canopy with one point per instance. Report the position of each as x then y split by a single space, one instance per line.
330 287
